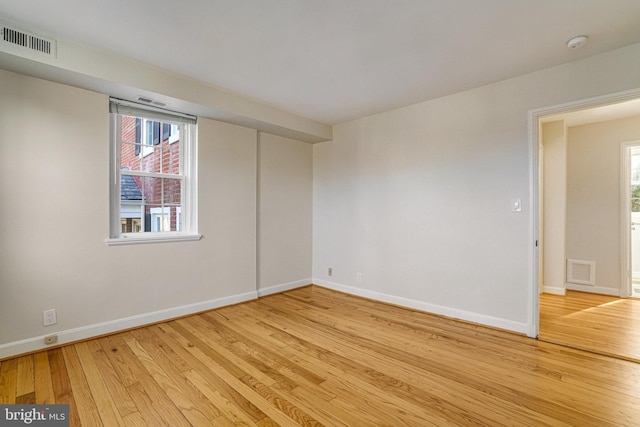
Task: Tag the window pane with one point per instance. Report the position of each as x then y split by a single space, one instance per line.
158 199
131 225
130 137
172 191
161 191
171 158
635 198
144 147
163 159
175 134
130 189
151 132
151 160
131 216
166 131
130 129
151 190
163 218
159 218
129 156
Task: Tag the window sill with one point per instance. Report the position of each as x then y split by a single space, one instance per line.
143 240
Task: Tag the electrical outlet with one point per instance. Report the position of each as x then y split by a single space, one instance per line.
49 317
330 271
51 339
358 277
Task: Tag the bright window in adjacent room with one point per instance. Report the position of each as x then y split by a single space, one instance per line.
153 175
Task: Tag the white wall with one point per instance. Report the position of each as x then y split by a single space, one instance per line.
554 183
594 199
54 192
285 211
418 199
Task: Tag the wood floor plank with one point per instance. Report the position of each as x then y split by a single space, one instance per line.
104 402
82 395
25 382
8 381
61 382
26 399
312 356
43 379
150 408
116 388
135 419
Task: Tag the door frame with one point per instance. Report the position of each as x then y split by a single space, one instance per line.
535 177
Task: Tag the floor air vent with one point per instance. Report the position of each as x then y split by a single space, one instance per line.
25 43
581 272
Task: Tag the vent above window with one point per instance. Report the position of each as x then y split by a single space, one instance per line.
151 101
13 40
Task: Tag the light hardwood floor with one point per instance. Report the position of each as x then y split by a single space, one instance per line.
317 357
604 324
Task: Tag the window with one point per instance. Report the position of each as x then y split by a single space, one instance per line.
153 175
635 180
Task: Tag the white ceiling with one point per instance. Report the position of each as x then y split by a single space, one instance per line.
335 60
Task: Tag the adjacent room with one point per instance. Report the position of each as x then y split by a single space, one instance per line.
589 243
322 212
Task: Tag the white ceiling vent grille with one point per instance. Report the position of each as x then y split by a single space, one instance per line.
26 44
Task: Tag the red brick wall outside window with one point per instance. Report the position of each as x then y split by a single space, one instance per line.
163 156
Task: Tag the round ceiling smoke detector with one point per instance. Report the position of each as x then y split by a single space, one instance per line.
577 42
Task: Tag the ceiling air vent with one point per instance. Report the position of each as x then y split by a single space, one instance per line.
26 44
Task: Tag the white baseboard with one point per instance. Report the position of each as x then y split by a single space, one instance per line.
284 287
85 332
427 307
594 289
555 290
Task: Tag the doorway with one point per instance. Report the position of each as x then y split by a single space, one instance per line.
630 218
602 109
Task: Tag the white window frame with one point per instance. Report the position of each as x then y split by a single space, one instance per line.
188 228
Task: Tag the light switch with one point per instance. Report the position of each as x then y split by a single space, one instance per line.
516 205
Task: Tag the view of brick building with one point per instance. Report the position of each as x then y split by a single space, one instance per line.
150 199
